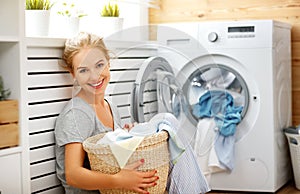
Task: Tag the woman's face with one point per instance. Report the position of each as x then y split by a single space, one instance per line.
91 70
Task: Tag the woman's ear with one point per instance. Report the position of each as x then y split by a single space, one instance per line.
73 74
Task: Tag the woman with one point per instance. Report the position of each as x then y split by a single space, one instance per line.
87 114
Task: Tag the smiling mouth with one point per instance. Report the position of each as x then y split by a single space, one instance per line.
97 85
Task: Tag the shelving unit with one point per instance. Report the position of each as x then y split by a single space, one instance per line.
24 63
13 160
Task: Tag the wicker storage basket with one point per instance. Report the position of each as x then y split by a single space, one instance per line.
294 145
154 149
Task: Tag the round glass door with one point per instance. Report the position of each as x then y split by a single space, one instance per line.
209 87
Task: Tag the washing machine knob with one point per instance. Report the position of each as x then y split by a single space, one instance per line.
213 37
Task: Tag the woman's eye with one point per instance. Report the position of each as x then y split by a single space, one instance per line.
100 65
82 70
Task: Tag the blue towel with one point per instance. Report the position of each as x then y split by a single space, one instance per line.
220 106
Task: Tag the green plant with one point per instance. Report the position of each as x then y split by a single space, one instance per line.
110 10
38 4
4 94
69 10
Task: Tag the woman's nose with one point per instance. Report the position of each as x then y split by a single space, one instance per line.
95 75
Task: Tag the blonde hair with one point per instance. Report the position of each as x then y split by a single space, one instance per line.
82 40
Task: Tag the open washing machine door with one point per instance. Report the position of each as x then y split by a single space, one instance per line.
156 91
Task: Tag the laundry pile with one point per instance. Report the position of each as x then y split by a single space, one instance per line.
123 143
215 138
184 170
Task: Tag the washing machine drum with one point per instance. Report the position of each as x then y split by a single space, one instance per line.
220 84
156 91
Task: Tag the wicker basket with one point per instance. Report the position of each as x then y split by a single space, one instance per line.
154 149
294 145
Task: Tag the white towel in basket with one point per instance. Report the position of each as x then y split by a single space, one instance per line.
124 143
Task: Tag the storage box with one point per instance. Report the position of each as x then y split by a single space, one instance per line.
9 117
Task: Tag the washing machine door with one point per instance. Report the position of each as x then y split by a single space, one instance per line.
155 91
213 74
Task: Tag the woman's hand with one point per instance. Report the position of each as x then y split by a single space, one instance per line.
131 179
129 126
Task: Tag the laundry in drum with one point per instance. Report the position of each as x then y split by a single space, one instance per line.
218 77
215 77
219 104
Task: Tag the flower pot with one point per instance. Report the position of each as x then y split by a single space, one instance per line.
102 26
64 26
37 22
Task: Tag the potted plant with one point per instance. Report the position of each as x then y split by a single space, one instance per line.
9 117
4 93
108 20
110 10
65 20
37 17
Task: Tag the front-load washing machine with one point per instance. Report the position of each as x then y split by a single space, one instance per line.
249 59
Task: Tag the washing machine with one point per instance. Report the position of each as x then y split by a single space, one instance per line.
249 59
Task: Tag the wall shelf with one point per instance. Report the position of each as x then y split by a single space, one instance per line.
9 39
11 150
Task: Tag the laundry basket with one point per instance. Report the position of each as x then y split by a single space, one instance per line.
294 145
154 149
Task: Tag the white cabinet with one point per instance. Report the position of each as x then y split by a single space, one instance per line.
11 47
14 169
10 169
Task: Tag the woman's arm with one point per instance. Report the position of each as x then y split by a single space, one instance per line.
80 177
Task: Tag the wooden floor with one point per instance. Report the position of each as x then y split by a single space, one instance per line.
289 188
